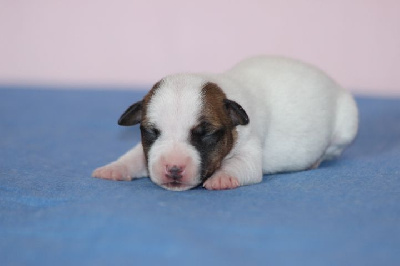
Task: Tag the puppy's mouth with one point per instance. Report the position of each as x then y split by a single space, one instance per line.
177 185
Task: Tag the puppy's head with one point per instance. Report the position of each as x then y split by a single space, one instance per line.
188 126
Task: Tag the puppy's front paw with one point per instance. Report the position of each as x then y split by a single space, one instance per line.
113 171
221 181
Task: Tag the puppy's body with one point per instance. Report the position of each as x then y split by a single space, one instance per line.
195 127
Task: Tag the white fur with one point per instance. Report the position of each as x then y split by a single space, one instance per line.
301 116
298 118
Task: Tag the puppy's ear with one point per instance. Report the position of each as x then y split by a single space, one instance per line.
132 115
237 114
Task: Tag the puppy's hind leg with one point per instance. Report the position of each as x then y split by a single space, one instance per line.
244 167
346 126
130 165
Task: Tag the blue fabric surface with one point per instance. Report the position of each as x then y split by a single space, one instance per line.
52 212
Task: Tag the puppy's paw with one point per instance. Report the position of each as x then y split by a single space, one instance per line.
113 171
220 181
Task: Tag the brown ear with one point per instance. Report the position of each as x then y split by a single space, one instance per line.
132 115
237 114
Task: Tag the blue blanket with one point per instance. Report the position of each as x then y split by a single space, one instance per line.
52 212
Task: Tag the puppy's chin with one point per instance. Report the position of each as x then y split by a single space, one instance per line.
177 186
187 181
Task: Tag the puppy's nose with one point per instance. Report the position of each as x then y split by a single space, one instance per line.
174 172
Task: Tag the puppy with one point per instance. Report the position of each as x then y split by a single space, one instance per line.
265 115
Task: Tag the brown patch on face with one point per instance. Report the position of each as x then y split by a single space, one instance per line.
215 135
147 98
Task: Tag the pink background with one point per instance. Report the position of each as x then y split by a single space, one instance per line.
124 43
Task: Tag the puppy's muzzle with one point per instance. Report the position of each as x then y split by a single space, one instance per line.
174 165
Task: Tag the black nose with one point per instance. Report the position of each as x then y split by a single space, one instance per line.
175 172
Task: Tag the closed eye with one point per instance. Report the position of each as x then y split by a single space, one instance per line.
213 134
207 134
203 129
150 132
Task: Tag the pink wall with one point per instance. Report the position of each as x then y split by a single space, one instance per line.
127 42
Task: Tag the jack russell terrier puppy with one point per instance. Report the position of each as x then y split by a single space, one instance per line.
266 115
